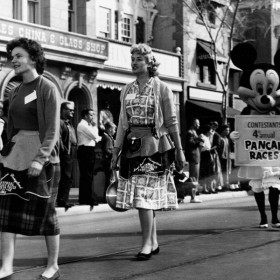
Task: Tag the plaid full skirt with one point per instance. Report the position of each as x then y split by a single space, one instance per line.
148 182
36 216
29 213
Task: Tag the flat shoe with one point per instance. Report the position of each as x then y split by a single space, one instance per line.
56 276
263 226
277 225
143 257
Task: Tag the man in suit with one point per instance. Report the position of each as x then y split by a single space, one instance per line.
192 153
68 140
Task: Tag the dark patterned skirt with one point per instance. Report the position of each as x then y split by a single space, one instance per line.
35 216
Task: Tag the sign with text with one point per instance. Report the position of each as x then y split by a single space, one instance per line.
259 140
54 39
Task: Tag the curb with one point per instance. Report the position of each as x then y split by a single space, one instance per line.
85 209
82 209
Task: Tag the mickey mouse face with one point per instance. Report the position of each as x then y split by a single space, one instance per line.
262 94
264 83
259 84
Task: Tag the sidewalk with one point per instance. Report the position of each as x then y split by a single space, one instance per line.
104 207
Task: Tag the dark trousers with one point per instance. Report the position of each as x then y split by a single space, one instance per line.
273 197
66 181
86 159
194 170
108 174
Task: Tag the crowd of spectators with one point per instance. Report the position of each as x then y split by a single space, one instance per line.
210 155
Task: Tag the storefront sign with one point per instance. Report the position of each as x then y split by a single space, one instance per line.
259 141
53 39
205 95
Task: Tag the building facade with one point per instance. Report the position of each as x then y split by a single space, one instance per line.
87 45
178 24
203 92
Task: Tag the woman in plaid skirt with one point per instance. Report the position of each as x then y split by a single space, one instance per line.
30 165
147 137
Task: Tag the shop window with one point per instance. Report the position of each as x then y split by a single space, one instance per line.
72 14
126 28
140 31
17 9
104 22
116 25
234 79
206 72
33 10
207 10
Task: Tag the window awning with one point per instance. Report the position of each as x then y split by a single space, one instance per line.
206 51
110 85
215 107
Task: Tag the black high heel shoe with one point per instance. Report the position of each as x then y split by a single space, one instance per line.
143 257
156 251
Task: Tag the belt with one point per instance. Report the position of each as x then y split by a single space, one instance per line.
148 125
84 146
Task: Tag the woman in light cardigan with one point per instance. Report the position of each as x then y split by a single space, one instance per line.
147 140
33 162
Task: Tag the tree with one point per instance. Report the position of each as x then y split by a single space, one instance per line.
236 18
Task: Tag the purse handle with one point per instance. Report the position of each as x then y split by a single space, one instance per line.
115 174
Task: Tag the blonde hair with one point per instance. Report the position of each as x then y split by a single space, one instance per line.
146 51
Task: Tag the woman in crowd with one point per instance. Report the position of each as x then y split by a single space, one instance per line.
33 162
206 161
224 155
148 138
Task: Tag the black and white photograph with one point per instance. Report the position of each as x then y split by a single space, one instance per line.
139 139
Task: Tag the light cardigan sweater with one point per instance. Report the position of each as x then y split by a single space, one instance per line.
48 113
165 114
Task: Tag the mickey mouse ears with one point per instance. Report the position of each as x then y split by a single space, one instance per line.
243 55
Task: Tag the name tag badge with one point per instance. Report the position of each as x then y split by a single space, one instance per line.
130 96
30 97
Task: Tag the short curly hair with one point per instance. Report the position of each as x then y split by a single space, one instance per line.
146 51
34 50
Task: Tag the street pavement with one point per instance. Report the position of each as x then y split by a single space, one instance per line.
215 240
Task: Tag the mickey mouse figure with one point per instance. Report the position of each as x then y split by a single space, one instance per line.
260 89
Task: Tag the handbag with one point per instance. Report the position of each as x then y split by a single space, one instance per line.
134 144
7 148
111 195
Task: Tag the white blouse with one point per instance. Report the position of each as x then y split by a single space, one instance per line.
206 146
